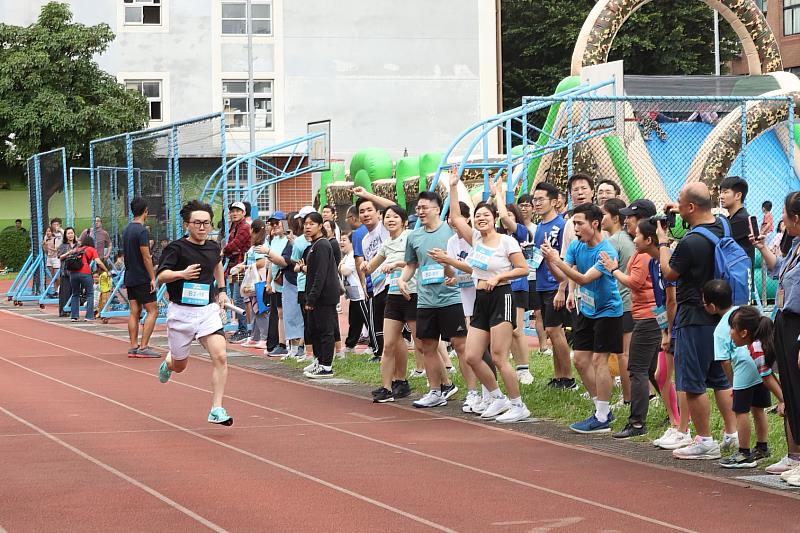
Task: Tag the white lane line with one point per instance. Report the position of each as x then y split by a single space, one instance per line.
251 455
138 484
444 460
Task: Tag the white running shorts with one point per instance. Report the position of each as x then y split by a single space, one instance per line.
186 323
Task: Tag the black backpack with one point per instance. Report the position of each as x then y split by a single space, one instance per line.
74 261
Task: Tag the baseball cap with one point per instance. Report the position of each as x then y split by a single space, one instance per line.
238 205
304 211
277 215
639 208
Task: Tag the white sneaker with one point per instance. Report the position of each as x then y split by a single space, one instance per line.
620 404
249 343
676 440
515 414
548 352
784 465
497 407
451 370
339 355
794 472
729 444
472 399
586 395
261 345
667 435
698 450
524 376
312 366
432 399
417 373
482 405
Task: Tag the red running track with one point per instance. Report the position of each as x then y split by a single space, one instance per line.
91 441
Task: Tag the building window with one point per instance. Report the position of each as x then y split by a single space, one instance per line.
151 90
234 18
142 12
234 103
762 5
791 17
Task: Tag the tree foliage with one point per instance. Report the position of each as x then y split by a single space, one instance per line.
663 37
52 92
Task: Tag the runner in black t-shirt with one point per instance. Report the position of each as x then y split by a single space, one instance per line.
192 270
140 281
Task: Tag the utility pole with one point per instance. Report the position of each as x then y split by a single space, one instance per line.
716 43
251 112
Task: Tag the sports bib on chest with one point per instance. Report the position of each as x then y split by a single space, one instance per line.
393 277
377 278
195 293
432 274
587 300
534 259
479 258
661 316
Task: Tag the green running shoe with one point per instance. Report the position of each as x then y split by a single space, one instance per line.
218 415
164 372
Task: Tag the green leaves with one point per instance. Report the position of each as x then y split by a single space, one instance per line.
663 37
53 94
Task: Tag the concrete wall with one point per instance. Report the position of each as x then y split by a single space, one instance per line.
397 75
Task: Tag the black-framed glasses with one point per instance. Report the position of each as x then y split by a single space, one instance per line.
200 223
525 204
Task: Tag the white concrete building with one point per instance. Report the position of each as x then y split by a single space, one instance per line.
397 75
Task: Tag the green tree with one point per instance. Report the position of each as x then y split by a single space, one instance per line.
663 37
52 92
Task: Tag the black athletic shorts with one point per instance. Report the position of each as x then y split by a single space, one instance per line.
441 322
552 317
493 308
141 293
520 299
755 396
597 335
534 304
399 309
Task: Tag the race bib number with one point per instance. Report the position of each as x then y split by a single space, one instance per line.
479 258
432 274
464 280
377 278
535 257
587 300
195 293
661 316
393 277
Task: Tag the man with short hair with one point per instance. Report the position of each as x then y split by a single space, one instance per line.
102 240
525 203
279 249
140 281
598 325
440 314
368 247
732 194
692 266
551 230
606 190
192 271
239 240
18 226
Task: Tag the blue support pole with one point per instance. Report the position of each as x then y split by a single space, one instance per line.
509 165
129 154
744 137
570 137
176 182
790 123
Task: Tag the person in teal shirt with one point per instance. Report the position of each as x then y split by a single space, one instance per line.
440 314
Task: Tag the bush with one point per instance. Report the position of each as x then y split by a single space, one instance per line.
15 246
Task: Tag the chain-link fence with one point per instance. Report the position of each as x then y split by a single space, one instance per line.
656 145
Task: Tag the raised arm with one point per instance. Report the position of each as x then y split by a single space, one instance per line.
459 223
498 191
379 201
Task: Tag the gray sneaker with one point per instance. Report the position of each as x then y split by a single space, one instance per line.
146 353
698 450
278 351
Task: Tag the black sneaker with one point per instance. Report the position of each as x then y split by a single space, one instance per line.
377 391
553 383
375 359
566 384
448 390
630 431
401 389
383 396
739 460
758 454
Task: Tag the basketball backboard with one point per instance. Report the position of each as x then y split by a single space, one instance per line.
319 148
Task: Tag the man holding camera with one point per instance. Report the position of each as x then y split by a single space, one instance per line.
692 265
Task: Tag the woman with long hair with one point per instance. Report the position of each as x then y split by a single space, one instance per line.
321 295
787 332
64 288
399 309
81 279
257 256
50 248
495 260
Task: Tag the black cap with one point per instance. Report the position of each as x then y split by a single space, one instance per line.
642 208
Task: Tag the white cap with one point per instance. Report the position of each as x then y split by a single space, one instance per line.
237 205
304 211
